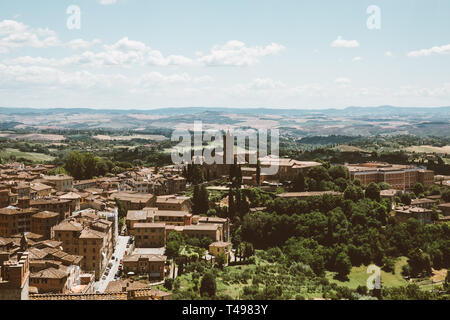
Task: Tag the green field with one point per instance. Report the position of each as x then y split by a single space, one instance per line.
346 148
36 157
358 276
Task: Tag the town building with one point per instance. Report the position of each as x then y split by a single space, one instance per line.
63 207
173 203
220 247
399 177
407 212
92 240
149 235
151 265
43 222
212 231
133 200
14 220
60 182
14 277
423 203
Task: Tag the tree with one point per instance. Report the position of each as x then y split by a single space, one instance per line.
341 183
208 285
248 250
121 209
384 186
337 172
447 282
221 260
74 165
405 198
195 174
418 189
258 173
299 183
168 283
173 245
446 196
204 199
90 165
231 204
419 262
196 205
319 174
353 193
373 192
343 265
235 176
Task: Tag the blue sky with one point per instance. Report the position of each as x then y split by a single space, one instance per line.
236 53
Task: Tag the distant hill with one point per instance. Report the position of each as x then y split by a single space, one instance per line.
381 110
351 121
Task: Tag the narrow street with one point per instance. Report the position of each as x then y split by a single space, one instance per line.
119 253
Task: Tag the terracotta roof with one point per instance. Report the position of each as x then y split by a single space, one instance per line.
50 273
68 226
91 234
150 257
45 214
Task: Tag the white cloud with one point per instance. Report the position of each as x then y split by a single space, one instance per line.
342 43
15 34
445 49
127 52
35 76
343 81
123 53
26 77
107 2
416 91
388 54
356 59
82 44
236 53
266 83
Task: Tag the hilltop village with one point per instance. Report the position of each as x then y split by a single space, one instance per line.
118 237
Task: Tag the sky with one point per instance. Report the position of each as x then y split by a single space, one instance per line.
145 54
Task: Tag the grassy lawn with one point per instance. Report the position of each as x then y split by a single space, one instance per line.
37 157
358 276
234 289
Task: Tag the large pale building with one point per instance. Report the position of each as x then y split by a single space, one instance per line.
60 182
400 177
